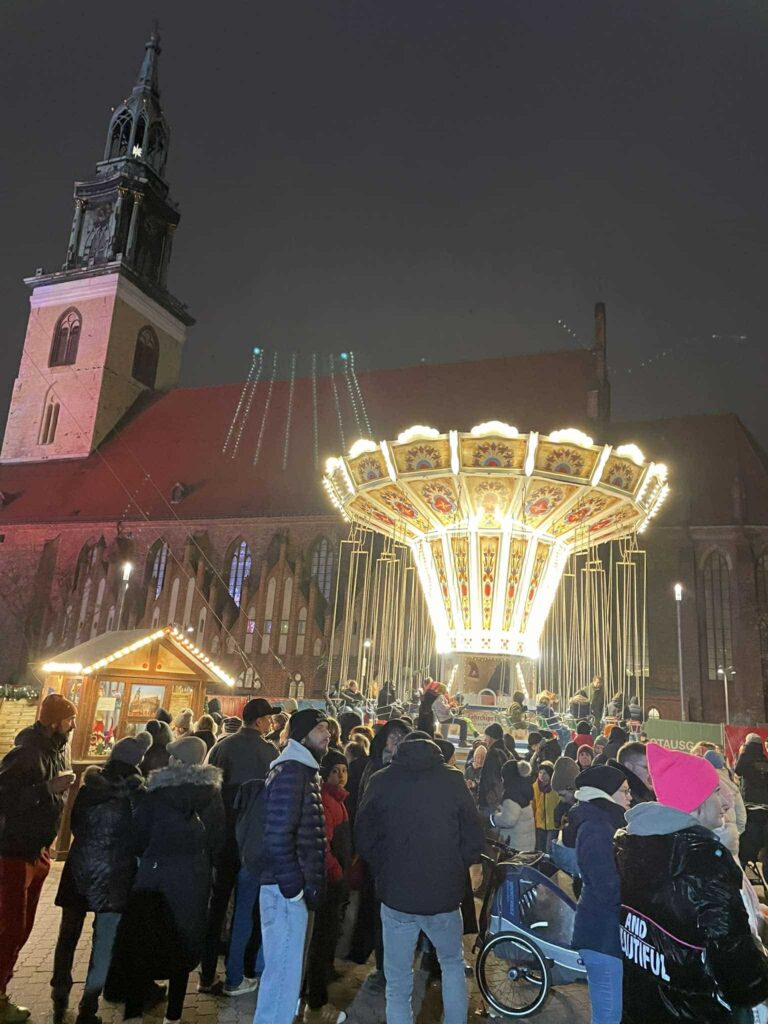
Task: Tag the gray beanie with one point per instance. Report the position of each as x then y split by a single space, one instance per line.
184 720
160 732
131 749
188 750
564 775
754 737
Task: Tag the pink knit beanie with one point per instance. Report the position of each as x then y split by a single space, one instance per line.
680 780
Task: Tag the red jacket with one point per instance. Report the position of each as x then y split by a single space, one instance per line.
580 740
337 832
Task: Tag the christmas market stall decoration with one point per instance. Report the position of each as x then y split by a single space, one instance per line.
119 680
492 518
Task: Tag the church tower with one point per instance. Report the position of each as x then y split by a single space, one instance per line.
104 330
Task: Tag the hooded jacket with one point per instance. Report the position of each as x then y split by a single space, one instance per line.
100 867
596 926
491 787
376 760
419 830
29 814
338 853
685 935
157 756
752 769
294 826
616 739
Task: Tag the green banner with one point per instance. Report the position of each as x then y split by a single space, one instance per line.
682 735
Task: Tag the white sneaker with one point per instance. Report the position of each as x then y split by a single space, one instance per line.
325 1015
246 985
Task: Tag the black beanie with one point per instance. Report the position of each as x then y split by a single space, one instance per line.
329 762
495 731
301 723
163 716
603 777
160 732
533 739
447 749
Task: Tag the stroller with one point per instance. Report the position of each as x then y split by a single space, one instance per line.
526 922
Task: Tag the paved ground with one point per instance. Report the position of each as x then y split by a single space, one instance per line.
31 986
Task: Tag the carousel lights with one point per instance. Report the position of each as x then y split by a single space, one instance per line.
417 433
570 435
631 451
73 667
362 446
495 427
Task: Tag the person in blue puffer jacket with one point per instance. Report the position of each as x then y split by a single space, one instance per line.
293 878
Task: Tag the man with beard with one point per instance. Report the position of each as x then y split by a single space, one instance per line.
35 777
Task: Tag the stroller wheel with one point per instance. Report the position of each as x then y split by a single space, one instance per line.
512 975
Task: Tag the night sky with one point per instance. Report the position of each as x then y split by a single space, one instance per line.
425 179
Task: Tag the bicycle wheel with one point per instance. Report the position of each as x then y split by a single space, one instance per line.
512 975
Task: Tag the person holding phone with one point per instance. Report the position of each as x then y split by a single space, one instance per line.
35 777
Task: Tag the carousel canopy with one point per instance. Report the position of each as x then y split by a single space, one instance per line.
109 648
491 517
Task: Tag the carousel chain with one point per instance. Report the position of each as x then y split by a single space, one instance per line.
335 390
289 417
315 432
265 413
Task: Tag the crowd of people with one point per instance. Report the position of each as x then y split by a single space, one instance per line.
274 848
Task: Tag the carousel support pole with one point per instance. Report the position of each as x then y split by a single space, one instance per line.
678 603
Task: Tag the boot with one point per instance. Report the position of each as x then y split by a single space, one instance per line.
87 1011
60 1007
10 1013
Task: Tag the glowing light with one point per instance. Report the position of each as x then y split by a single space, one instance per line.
678 591
571 436
127 570
494 427
63 666
417 433
362 446
137 152
632 452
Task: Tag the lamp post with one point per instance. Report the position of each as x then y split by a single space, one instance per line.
124 582
678 604
730 671
366 655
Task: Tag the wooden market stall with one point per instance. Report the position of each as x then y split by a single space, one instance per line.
118 681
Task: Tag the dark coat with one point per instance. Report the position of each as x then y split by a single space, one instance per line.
597 703
156 757
597 915
491 786
378 743
177 833
580 707
616 739
294 826
356 769
685 932
419 830
207 737
29 814
100 868
752 769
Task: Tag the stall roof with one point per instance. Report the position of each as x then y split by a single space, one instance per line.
103 650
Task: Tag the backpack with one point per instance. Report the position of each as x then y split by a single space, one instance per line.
250 806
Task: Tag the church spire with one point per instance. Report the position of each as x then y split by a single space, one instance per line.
147 80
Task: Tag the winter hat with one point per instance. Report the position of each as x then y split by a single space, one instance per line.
590 750
601 741
715 758
518 784
290 706
183 721
160 732
551 751
259 708
495 731
604 777
302 723
55 709
447 749
583 728
548 767
564 774
753 737
416 734
214 706
232 724
189 750
534 738
218 718
329 762
519 696
163 716
680 780
131 749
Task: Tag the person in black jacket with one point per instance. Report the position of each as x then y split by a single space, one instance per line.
603 796
98 872
178 830
689 953
490 789
293 879
616 739
35 777
157 755
597 700
752 769
418 828
242 756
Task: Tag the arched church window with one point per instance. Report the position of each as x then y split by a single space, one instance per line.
145 357
66 337
50 421
138 139
239 570
156 146
121 135
717 610
322 567
157 563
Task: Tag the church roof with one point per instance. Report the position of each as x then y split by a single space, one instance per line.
179 436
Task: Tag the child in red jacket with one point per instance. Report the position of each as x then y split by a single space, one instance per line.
338 856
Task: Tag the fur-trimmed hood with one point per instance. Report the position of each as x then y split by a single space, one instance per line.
111 781
184 775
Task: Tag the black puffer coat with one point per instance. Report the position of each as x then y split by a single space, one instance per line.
29 814
418 828
376 761
685 933
100 868
294 826
752 769
490 790
178 830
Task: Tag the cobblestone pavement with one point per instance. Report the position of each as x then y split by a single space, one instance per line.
31 986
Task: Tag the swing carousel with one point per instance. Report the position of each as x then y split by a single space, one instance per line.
493 559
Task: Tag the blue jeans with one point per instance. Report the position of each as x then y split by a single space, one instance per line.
604 975
283 935
401 932
246 896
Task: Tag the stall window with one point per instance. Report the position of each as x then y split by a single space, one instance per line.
73 689
109 704
181 698
145 701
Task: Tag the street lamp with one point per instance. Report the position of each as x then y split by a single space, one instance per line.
124 582
730 671
366 654
678 604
